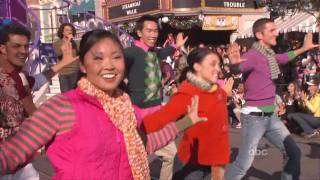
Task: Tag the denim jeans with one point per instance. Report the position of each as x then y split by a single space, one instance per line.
272 128
68 81
306 121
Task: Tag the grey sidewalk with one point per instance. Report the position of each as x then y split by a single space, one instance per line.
267 165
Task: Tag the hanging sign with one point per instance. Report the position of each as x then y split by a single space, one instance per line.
214 3
231 3
220 22
133 8
186 3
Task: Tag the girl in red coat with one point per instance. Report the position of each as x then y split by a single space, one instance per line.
205 144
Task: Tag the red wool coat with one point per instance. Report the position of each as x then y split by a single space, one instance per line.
205 143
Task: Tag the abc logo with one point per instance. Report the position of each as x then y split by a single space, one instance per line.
258 152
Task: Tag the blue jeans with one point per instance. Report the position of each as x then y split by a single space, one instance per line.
306 121
272 128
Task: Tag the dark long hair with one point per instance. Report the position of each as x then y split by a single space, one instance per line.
287 95
195 56
61 28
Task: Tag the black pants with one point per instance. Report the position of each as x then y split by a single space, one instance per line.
190 171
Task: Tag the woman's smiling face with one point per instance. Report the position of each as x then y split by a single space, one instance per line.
104 65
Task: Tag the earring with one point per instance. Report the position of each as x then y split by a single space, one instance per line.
83 71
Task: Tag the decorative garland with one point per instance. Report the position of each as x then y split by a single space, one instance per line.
181 23
185 23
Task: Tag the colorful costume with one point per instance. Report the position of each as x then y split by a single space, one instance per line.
83 141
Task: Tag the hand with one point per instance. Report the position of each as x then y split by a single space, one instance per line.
67 56
180 40
66 47
281 112
233 53
228 86
193 111
308 44
303 96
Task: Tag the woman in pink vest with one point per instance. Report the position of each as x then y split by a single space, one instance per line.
93 131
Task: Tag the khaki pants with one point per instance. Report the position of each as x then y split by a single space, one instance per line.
167 153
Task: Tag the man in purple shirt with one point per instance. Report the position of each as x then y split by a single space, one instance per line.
260 68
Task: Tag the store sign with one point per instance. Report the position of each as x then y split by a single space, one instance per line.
186 3
213 3
133 8
231 3
218 23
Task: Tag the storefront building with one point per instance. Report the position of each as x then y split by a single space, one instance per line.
209 16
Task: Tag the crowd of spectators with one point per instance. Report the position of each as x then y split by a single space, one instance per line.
297 85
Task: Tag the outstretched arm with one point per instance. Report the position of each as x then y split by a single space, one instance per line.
35 132
67 59
171 112
291 55
161 138
238 64
307 45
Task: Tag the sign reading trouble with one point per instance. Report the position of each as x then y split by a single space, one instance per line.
231 3
133 8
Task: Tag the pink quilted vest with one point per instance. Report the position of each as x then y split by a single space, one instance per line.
93 149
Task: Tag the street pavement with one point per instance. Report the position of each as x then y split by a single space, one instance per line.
267 165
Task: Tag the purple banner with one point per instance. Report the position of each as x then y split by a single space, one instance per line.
4 8
13 9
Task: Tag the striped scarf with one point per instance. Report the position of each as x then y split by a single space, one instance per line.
270 55
194 80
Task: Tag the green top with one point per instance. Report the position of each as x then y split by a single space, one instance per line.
267 109
291 55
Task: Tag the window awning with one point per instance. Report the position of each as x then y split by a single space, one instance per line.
299 22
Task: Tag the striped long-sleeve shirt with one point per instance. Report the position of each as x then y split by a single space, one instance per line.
56 117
